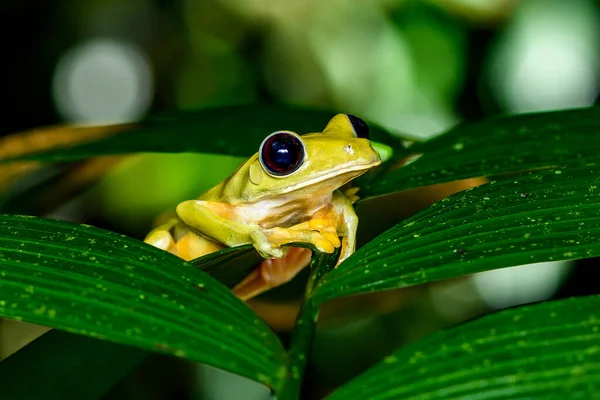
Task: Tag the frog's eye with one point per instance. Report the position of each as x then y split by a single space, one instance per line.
281 153
361 129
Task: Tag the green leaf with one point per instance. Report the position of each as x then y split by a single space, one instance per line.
498 146
230 265
101 284
59 364
544 351
538 216
236 130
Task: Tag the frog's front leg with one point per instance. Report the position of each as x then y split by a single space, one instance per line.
347 224
218 221
336 220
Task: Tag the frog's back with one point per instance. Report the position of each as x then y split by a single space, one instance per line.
213 194
230 190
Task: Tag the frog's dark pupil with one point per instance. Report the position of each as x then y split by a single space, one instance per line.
282 153
360 127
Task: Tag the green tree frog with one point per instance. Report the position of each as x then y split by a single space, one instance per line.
286 193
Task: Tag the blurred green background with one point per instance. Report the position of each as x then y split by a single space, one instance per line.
414 67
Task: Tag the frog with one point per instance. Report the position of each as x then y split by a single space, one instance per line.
289 192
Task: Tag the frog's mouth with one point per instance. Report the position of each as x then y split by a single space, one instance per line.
336 178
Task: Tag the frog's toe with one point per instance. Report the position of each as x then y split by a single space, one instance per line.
265 246
271 252
322 243
160 238
332 236
350 193
277 237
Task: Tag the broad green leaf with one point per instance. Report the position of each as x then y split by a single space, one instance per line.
545 351
321 265
497 146
538 216
101 284
236 130
58 364
230 265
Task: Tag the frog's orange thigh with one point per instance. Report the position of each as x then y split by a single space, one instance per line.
192 245
273 272
278 271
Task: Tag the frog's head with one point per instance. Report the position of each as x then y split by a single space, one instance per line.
317 163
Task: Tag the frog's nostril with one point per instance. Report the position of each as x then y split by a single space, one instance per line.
348 149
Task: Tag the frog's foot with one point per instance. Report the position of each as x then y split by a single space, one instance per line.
350 193
269 242
160 238
324 221
272 273
180 241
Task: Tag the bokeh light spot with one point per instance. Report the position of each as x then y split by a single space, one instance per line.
547 59
512 286
102 81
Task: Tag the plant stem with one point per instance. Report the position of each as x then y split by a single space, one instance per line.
300 346
304 330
